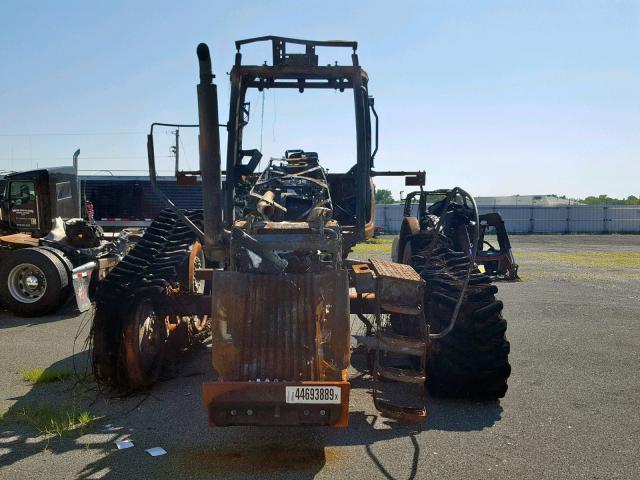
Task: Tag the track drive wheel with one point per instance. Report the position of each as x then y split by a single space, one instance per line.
144 337
196 260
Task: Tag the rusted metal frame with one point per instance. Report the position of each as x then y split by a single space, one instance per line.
264 74
154 185
312 85
362 303
304 172
314 180
400 274
182 175
240 75
317 181
234 144
296 241
377 357
280 175
397 173
316 43
369 213
422 205
272 226
408 202
363 155
371 103
242 239
252 403
309 58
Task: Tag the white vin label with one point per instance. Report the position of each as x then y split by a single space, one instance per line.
318 394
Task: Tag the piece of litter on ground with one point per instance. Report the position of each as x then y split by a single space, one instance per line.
108 425
122 444
156 451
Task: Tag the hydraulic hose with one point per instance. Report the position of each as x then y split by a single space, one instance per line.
467 278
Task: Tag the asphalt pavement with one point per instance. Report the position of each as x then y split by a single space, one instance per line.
571 410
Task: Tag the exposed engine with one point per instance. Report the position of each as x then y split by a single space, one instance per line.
286 224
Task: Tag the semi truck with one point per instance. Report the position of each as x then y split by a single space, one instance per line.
49 250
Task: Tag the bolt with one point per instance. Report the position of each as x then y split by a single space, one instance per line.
31 282
233 413
306 413
323 413
249 412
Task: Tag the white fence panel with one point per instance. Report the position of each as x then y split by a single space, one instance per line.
517 219
538 219
586 218
622 218
549 219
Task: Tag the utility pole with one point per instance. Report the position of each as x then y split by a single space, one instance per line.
176 149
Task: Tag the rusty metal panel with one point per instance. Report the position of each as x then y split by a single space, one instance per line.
280 327
262 403
385 269
400 288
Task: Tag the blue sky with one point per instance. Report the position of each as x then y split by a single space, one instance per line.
498 97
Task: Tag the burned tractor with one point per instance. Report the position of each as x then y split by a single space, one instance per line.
264 270
499 263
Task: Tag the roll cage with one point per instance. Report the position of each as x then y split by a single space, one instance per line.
351 192
302 71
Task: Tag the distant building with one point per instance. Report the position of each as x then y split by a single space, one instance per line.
541 200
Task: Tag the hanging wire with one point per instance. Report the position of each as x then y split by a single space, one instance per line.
261 127
184 153
261 119
273 125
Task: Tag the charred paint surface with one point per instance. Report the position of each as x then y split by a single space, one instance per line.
290 328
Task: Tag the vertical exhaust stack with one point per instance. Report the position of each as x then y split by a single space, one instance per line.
210 166
76 154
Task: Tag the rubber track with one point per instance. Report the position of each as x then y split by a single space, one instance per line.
154 264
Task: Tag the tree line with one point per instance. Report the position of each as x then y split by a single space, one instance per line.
384 196
607 200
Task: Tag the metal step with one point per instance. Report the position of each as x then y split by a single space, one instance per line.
401 413
394 343
401 375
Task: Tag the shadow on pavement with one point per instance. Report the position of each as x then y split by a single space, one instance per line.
10 320
171 416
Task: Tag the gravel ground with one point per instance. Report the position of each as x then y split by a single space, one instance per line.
570 412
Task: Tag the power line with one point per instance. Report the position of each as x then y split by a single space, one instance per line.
121 170
83 158
68 134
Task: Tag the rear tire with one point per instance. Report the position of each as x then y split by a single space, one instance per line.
472 361
33 282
